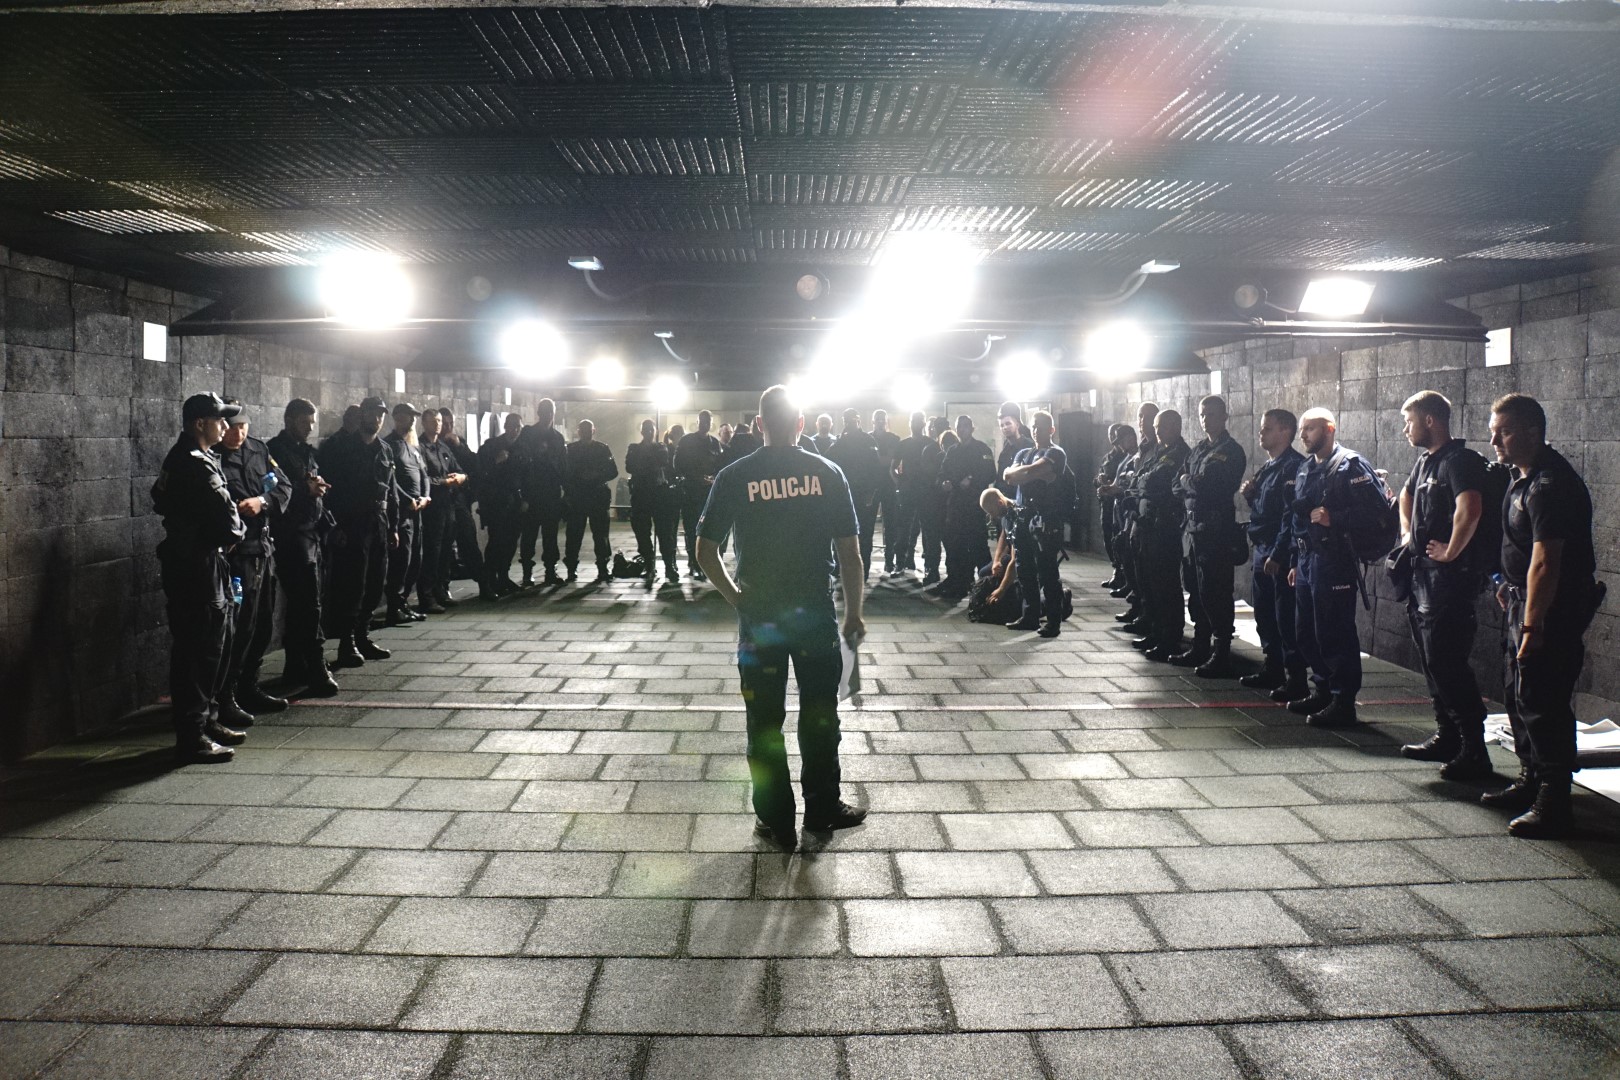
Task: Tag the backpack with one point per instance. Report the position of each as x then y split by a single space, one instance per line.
1485 549
1373 533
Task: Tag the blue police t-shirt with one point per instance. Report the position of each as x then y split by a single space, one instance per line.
784 507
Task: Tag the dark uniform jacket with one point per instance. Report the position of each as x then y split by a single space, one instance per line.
1127 508
743 443
1349 487
297 529
648 467
245 471
888 444
1109 469
968 460
467 463
1550 502
1010 449
502 468
199 522
1214 472
410 473
542 455
1438 477
1157 504
364 494
917 461
698 457
439 461
856 452
1270 524
589 469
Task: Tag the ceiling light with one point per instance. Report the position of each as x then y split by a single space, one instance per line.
663 335
534 348
367 289
1159 266
668 393
810 287
1336 296
923 280
605 373
1248 297
910 393
806 391
1117 347
1023 376
585 262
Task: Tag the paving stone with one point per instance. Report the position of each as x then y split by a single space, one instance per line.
1368 914
456 794
1251 791
410 873
1110 871
382 828
279 868
1033 992
547 874
1599 897
1072 766
679 997
1329 1051
353 1055
1000 795
1367 821
141 822
458 926
489 831
1149 1054
663 797
35 912
1130 828
1073 925
1164 763
1519 1047
1143 794
763 928
350 791
628 832
1371 862
989 832
584 796
293 922
155 1053
827 874
1250 825
967 767
545 1057
147 985
965 873
266 824
320 990
515 994
26 1048
941 1057
1204 987
677 1059
1221 920
1529 972
154 864
852 997
892 832
1510 908
672 874
31 975
1495 858
591 927
32 862
919 928
156 917
1375 980
1236 867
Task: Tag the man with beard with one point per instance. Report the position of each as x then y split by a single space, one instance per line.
468 561
1106 500
915 481
1128 511
1208 485
647 463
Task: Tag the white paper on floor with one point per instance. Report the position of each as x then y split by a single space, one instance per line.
1599 741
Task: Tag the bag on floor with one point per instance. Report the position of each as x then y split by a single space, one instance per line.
628 568
982 610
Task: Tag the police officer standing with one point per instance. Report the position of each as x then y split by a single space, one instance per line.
1441 508
1159 514
365 501
542 459
857 454
1208 487
914 481
502 469
1270 495
968 468
744 440
297 532
788 510
1333 486
200 522
1105 499
1133 617
697 460
1036 472
647 463
888 503
469 562
931 508
445 480
415 495
1013 439
1549 594
588 470
261 491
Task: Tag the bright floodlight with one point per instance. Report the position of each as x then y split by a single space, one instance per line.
1159 266
856 355
1336 296
668 393
534 348
604 373
923 280
366 288
1022 376
1117 347
808 390
911 393
585 262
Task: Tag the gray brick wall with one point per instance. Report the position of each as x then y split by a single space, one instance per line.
1566 352
84 425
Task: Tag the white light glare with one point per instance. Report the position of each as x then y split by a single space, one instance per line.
585 262
605 373
1159 266
854 356
533 348
923 280
668 393
911 393
366 289
1023 376
1117 347
1336 296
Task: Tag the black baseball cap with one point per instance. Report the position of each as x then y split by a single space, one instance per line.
209 406
406 406
374 404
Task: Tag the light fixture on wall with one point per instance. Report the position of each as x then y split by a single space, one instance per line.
1117 348
365 289
1023 376
1336 297
668 393
533 347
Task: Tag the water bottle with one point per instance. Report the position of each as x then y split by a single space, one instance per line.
236 591
270 482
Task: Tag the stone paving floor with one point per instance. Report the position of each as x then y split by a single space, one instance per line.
521 847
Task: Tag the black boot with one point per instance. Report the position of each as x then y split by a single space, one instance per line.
604 574
348 656
1145 642
1136 626
1268 678
1219 664
1129 615
257 702
370 650
1442 746
224 736
1194 654
528 576
1518 796
231 714
1319 699
1164 652
1294 687
199 749
321 684
551 575
1340 712
672 574
1551 818
1472 765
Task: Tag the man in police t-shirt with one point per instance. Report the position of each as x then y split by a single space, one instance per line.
788 509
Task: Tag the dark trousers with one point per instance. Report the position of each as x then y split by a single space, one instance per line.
588 509
904 525
1274 614
1126 548
866 511
1325 600
888 504
201 616
438 553
468 562
643 511
539 523
1441 613
301 637
1036 554
1208 574
359 570
967 545
694 494
931 520
255 620
405 562
1158 564
1540 689
1110 534
502 545
667 525
763 655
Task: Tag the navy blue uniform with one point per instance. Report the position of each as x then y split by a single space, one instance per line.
698 458
1271 534
589 500
785 507
1159 513
916 463
1038 537
1105 504
1125 514
246 470
1213 474
365 501
857 454
888 500
653 505
297 531
1327 571
1550 502
540 462
405 558
438 523
969 468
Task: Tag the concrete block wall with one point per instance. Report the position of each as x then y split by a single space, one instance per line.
1566 353
84 425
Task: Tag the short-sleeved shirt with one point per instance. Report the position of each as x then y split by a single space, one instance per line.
1549 502
1438 477
784 507
1037 494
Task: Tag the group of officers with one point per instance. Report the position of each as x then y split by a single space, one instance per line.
1170 523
